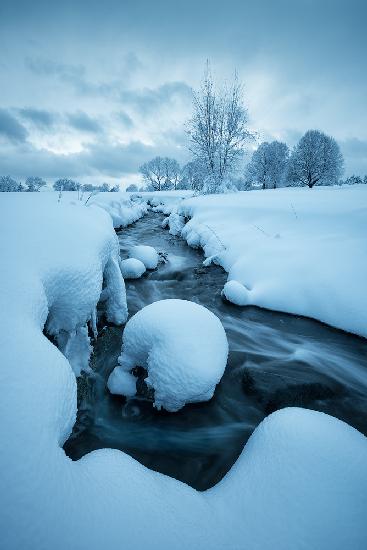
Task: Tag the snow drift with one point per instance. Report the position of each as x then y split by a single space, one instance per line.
300 251
301 481
183 347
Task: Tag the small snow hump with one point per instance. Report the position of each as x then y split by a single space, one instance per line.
182 346
132 268
146 254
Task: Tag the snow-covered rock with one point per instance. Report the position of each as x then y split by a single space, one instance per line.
131 268
236 293
302 251
146 254
175 223
183 347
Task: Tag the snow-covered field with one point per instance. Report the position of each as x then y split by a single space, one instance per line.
297 250
301 481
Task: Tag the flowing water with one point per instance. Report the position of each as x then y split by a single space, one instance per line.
275 360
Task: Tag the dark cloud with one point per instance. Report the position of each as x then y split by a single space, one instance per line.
83 122
39 117
125 119
147 100
10 128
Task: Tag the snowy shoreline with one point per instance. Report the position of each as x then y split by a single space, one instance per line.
299 483
298 251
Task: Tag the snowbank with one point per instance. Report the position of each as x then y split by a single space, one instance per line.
300 251
131 268
146 254
182 346
165 201
123 208
301 481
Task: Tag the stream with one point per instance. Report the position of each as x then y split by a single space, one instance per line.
275 360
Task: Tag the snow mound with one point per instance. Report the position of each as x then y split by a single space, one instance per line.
182 346
175 223
300 251
123 208
131 268
146 254
236 293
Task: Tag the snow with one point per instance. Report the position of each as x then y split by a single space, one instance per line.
300 482
175 223
146 254
123 208
236 293
183 347
295 250
131 268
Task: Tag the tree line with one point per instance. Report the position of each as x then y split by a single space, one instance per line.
35 183
218 134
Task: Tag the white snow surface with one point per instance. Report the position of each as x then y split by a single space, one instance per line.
146 254
183 347
123 208
302 251
300 483
131 268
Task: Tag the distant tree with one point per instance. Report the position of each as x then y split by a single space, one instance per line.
7 183
154 173
218 129
132 188
354 180
65 184
268 164
114 189
193 176
34 183
365 180
316 160
173 173
104 187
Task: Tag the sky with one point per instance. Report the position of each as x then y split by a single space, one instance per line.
91 90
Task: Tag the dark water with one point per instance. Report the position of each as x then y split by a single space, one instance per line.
276 360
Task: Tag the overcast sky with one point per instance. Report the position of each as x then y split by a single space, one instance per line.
90 90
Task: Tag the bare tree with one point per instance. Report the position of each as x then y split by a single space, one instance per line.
316 160
193 176
218 128
7 183
173 173
34 183
268 164
154 173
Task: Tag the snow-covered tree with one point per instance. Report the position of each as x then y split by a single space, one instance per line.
34 183
354 180
193 176
114 189
7 183
132 188
154 173
218 129
104 187
316 160
173 173
268 164
65 184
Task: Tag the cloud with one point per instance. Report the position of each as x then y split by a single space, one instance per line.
10 128
125 119
83 122
147 100
39 117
